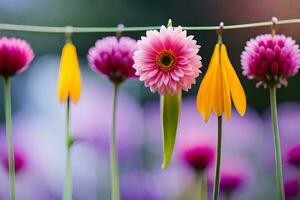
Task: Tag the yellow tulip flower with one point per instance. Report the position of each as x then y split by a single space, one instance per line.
220 86
69 80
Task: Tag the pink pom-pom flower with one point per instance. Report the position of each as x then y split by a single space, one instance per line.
113 57
167 60
271 59
15 56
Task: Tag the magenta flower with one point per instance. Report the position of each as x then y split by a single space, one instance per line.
167 60
15 56
230 181
19 158
291 188
235 173
198 156
113 57
293 156
270 59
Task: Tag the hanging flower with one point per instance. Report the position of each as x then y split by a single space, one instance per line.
167 60
271 59
69 80
15 56
219 86
113 58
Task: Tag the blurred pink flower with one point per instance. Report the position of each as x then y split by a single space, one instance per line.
113 57
235 172
20 159
197 151
199 157
291 188
270 59
15 56
293 156
167 60
230 181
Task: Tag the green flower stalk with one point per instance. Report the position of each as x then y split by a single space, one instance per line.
69 141
219 88
218 161
118 70
278 158
203 186
9 137
282 60
113 150
16 55
69 89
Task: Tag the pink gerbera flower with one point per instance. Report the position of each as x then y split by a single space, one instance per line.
271 59
15 56
167 60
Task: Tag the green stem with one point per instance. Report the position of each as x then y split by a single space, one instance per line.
203 186
9 138
69 142
218 162
276 143
115 193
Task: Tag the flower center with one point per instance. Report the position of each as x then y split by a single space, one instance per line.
166 60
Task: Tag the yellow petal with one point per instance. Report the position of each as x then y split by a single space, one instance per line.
218 97
69 80
236 88
225 83
206 91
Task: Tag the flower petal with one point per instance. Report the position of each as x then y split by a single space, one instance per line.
225 83
236 89
205 95
69 80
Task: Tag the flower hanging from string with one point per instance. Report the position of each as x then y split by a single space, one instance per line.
15 56
220 86
69 80
271 59
113 57
69 89
167 62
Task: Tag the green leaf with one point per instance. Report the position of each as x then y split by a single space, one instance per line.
170 109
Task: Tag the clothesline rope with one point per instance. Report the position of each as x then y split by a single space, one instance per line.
53 29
